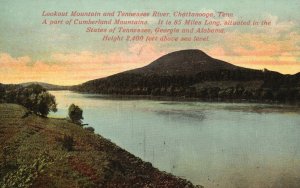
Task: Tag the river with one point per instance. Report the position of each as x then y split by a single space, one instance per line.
211 144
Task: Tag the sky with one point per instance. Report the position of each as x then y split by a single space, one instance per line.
67 55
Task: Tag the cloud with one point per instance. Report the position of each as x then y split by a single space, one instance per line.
278 26
283 64
21 69
138 53
77 58
73 68
5 58
216 51
259 50
253 50
260 44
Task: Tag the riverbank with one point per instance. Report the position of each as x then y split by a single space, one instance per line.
184 99
48 152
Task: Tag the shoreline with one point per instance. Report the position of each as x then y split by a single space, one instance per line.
185 99
93 161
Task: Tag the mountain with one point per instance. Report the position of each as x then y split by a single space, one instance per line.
184 62
194 74
46 86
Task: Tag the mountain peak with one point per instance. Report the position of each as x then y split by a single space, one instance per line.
187 52
183 62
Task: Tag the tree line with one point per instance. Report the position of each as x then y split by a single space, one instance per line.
34 97
274 87
37 100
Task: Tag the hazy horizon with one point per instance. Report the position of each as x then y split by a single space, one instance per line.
104 77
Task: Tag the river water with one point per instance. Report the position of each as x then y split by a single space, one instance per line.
211 144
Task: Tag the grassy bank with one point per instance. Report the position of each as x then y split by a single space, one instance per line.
47 152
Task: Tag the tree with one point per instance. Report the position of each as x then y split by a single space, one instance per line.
37 99
75 114
45 103
34 97
2 92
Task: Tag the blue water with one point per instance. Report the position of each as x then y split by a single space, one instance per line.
212 144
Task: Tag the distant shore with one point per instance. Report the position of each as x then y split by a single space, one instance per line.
184 99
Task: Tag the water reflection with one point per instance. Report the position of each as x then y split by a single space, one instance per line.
182 115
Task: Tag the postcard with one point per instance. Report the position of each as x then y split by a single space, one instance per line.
160 93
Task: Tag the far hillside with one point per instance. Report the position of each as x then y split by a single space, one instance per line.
46 86
194 74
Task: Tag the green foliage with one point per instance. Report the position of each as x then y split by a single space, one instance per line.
34 97
67 142
75 114
91 129
2 92
274 86
25 174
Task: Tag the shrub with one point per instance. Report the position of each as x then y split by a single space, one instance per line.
34 97
75 114
68 142
91 129
26 174
2 92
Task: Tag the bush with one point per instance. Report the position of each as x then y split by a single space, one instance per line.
75 114
91 129
2 92
26 174
34 97
68 142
